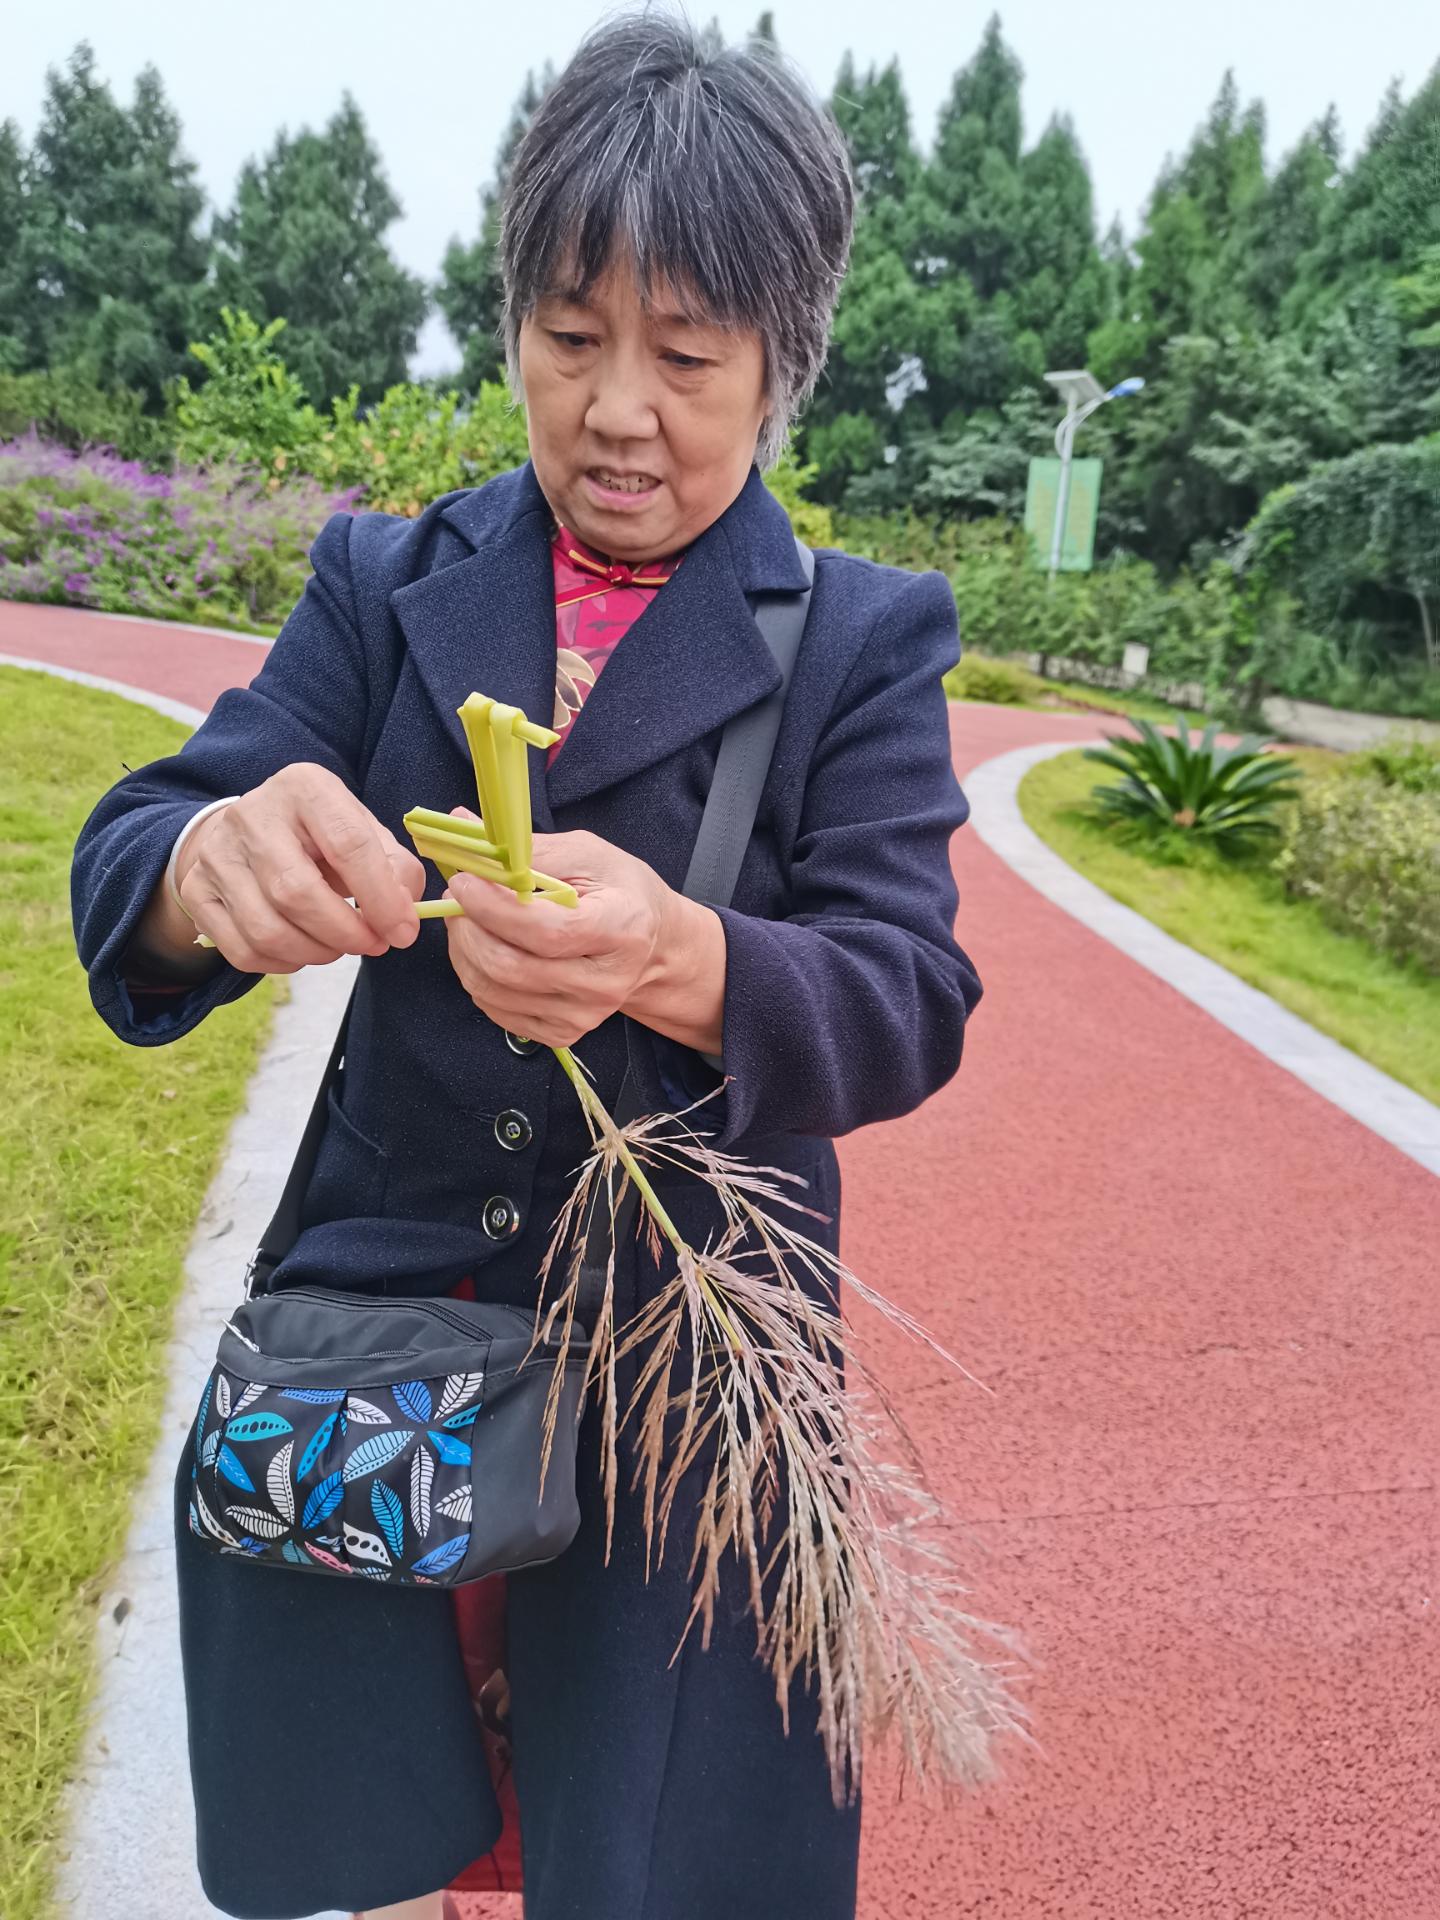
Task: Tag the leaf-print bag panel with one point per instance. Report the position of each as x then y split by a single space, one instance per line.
386 1438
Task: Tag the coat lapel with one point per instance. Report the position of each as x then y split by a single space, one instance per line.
694 658
486 624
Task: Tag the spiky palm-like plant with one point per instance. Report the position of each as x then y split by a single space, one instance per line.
1226 794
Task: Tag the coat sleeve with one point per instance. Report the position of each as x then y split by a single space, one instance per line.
309 701
851 1008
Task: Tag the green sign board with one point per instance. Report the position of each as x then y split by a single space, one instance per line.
1042 495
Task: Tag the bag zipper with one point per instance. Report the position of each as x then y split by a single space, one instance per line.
436 1307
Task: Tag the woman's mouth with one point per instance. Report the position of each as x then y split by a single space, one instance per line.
621 490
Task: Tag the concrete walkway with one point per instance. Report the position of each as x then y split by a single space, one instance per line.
1201 1295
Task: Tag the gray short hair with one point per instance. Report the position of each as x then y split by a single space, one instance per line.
716 168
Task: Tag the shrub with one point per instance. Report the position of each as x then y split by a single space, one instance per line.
1354 540
1007 605
998 681
250 409
1367 850
414 445
65 406
1240 636
813 523
1401 760
214 546
1227 795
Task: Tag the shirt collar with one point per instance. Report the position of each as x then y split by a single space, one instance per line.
639 573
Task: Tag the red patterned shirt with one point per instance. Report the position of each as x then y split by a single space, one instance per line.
596 601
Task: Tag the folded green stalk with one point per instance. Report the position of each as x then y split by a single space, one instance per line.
460 846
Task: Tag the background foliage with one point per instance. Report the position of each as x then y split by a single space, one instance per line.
1269 513
1365 844
215 546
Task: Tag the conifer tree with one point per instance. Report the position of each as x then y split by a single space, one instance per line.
305 242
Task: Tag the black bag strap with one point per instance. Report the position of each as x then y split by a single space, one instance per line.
284 1228
730 807
740 769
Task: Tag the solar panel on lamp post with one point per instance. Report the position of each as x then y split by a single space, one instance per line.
1082 394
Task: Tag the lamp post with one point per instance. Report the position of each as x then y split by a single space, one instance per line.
1082 394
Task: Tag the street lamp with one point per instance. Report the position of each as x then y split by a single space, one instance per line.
1082 394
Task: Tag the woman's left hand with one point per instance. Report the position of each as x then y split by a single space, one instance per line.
553 973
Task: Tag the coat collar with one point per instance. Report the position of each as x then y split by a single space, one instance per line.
693 658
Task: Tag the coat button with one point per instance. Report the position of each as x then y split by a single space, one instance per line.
517 1044
501 1217
513 1130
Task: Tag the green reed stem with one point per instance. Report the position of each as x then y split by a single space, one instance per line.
632 1166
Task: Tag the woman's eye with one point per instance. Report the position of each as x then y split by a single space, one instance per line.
577 342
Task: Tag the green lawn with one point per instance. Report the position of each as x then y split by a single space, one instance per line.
1239 915
1073 693
1048 696
105 1154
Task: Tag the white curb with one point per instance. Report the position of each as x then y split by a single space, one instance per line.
1398 1114
172 709
128 1811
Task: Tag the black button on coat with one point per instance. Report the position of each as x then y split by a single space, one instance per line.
335 1755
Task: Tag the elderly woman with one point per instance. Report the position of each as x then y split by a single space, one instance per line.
677 225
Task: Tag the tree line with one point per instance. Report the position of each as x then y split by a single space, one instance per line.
1285 316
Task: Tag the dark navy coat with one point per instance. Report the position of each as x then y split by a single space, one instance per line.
335 1754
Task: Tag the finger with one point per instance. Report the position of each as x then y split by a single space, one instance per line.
313 930
561 853
490 965
349 837
408 870
534 926
485 961
553 1023
212 918
503 967
293 888
405 863
233 925
549 1018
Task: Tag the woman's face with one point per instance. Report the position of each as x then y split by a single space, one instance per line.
670 408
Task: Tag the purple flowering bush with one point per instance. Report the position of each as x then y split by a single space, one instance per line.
221 546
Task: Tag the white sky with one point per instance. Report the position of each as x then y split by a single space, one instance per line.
437 84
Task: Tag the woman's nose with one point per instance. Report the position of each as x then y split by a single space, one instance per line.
620 412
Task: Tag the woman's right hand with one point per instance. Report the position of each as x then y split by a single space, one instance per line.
267 877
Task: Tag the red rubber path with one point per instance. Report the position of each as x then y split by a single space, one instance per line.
1202 1484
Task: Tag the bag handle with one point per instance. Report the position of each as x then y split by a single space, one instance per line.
746 748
